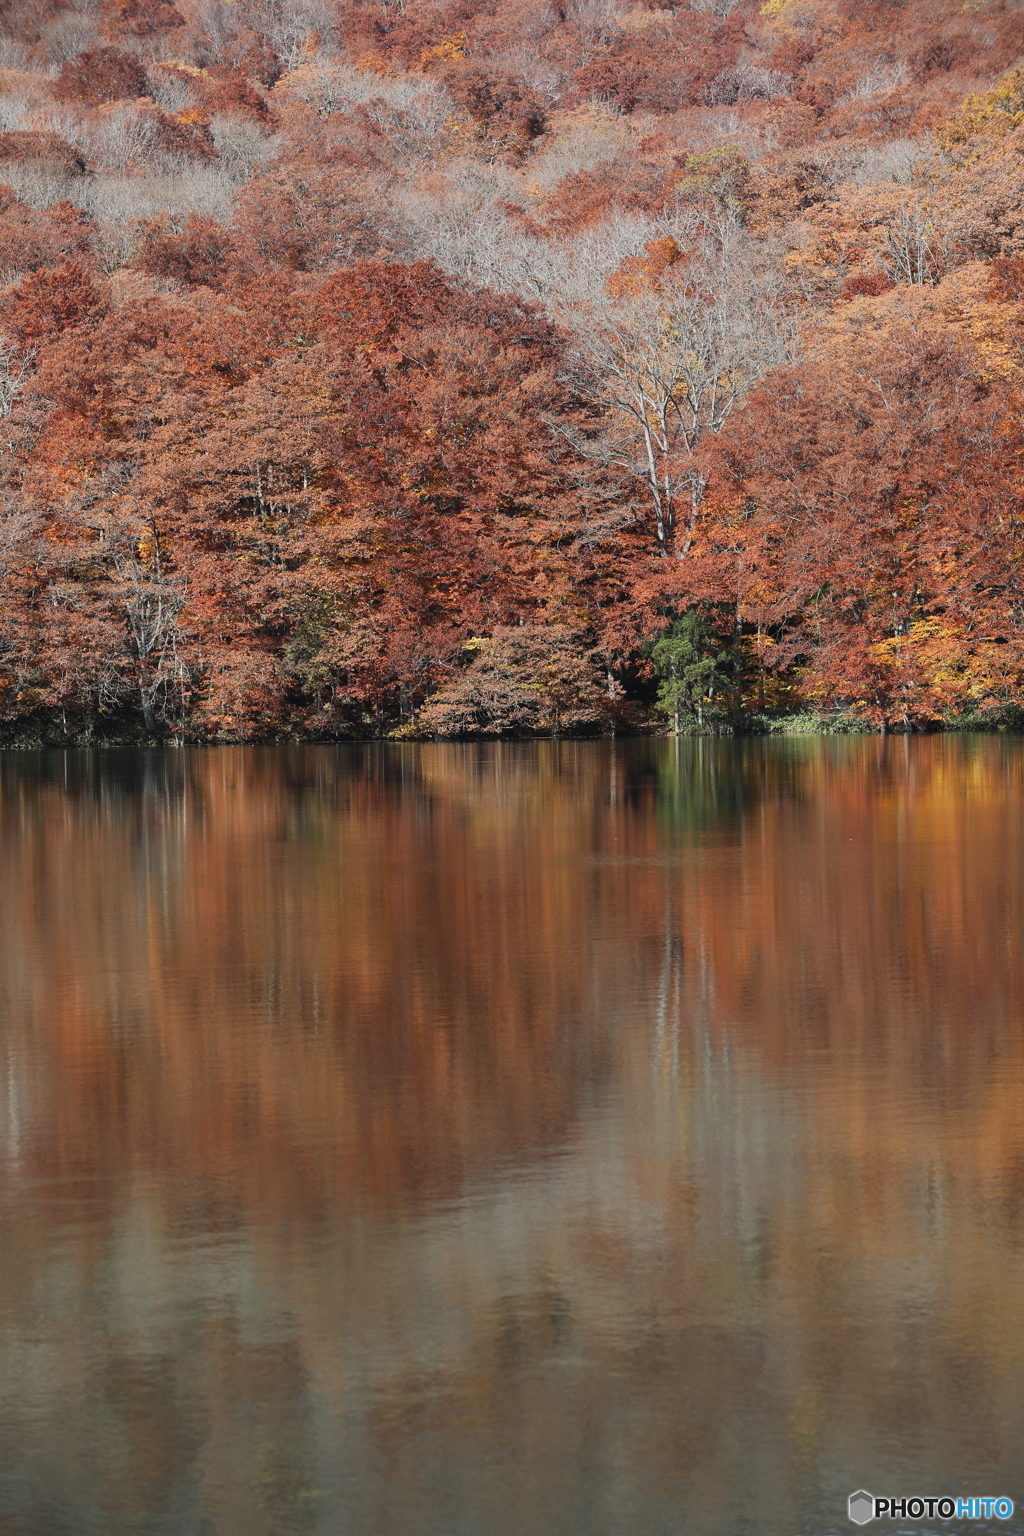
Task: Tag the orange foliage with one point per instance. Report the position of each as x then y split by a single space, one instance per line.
638 273
750 285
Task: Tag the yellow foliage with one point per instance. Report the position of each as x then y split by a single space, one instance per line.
941 659
997 111
638 22
958 308
146 546
374 64
720 173
447 49
462 134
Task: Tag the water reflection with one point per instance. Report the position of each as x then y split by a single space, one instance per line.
572 1138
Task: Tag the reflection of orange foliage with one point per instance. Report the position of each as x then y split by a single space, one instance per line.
700 1066
329 982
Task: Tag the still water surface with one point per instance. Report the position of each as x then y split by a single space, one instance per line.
557 1140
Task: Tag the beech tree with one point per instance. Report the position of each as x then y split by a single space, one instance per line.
867 515
665 359
522 681
334 337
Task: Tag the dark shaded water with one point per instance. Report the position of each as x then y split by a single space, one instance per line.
563 1140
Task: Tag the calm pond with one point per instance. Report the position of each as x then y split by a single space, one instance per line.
573 1139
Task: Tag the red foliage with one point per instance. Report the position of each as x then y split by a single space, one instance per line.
198 256
50 302
307 218
587 197
268 469
879 540
864 285
1007 278
46 150
101 74
638 274
229 90
30 239
140 18
497 101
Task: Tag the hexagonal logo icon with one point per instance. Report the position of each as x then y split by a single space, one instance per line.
862 1507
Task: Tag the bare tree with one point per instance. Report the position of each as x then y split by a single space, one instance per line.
219 23
411 110
719 8
914 245
242 144
19 547
747 82
141 658
151 667
595 22
37 185
894 160
171 90
124 140
119 204
13 55
15 372
289 25
68 35
667 365
885 76
458 219
152 604
13 110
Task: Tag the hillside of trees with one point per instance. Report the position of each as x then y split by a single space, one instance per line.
510 367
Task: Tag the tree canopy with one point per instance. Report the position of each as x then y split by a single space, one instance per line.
487 368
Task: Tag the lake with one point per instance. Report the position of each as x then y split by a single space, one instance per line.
558 1139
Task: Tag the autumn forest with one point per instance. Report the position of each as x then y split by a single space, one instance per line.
510 367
